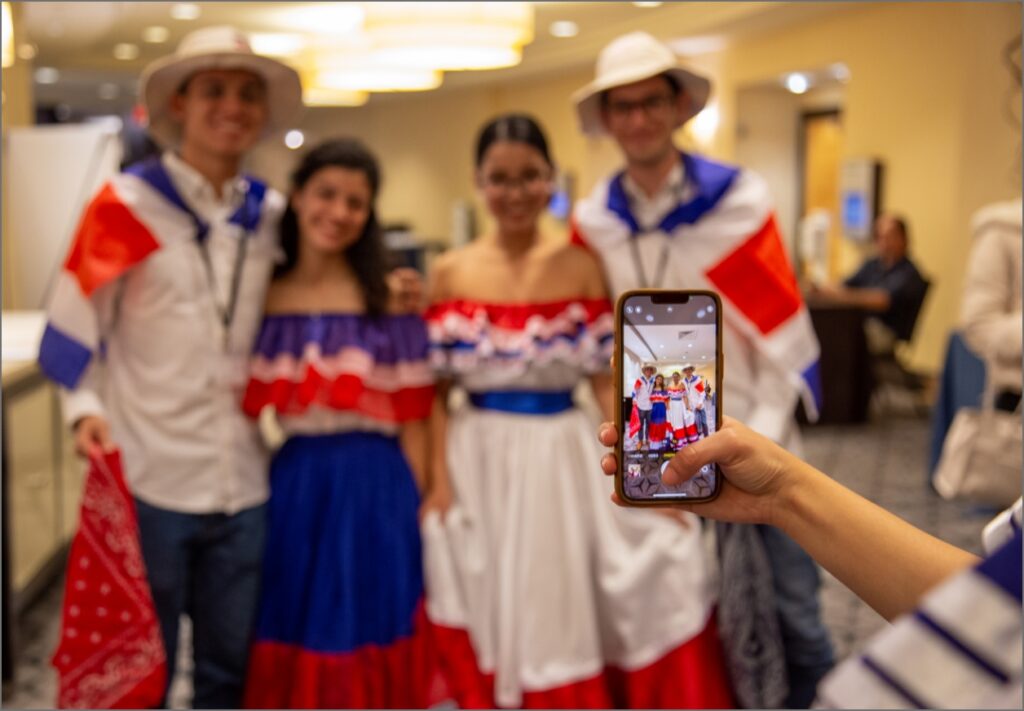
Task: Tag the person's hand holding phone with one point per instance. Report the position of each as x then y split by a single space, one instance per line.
668 346
757 472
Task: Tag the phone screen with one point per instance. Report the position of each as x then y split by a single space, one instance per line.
670 389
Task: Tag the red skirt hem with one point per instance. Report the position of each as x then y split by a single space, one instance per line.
404 674
691 676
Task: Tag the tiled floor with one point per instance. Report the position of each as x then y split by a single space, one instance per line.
885 461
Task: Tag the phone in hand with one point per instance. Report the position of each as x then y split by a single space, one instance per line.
668 385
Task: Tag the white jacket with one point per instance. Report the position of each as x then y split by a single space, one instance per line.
990 315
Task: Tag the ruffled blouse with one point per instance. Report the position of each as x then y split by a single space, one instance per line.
308 366
520 346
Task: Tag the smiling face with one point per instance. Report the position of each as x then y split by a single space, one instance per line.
515 181
332 208
642 116
222 112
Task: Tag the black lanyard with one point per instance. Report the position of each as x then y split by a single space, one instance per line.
638 264
247 217
226 312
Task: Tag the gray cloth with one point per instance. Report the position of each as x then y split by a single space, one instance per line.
747 619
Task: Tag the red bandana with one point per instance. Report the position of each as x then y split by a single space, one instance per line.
110 653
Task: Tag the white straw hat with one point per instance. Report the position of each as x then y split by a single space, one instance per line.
632 58
218 47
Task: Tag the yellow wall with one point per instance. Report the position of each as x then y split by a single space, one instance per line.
17 111
926 96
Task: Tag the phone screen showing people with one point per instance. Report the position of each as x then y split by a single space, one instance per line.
670 360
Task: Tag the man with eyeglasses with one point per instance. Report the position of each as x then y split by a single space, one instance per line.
675 220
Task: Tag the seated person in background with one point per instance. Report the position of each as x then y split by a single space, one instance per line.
889 285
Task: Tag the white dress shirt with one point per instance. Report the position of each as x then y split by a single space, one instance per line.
171 382
649 210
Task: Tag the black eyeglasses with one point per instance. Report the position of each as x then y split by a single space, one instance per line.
654 105
530 182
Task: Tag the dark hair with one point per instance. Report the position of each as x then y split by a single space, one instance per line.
901 222
901 225
673 86
366 255
519 128
659 375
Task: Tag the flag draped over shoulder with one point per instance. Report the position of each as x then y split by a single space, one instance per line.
110 653
725 239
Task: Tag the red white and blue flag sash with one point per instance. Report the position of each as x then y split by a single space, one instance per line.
134 214
728 241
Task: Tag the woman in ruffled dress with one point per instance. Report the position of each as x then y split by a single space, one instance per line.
543 593
341 620
680 416
661 433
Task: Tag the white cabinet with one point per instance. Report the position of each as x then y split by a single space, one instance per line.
42 477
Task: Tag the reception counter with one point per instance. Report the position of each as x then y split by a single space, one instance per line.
42 477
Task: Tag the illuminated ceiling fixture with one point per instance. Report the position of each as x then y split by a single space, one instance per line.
277 44
647 4
126 51
797 83
323 96
564 29
333 19
367 76
185 11
46 75
450 36
8 35
155 34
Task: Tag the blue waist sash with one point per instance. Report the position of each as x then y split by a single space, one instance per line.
523 402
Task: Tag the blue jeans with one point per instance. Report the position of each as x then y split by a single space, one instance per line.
701 418
645 424
805 639
208 567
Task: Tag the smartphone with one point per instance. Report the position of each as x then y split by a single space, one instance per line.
668 383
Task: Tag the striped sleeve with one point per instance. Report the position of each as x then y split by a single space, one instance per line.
960 649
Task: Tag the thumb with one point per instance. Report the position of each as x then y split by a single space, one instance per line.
687 463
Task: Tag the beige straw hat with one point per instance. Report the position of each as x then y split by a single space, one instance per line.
632 58
218 47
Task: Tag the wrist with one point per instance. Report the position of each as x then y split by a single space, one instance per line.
794 502
438 484
803 502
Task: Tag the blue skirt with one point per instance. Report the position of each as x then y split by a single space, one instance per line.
342 599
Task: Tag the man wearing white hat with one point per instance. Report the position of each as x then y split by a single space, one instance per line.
150 326
676 220
693 385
